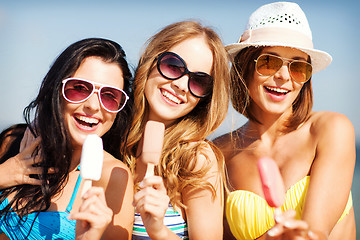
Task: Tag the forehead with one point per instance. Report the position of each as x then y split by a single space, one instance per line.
196 53
97 70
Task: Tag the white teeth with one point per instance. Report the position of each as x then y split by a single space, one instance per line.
279 90
171 97
88 120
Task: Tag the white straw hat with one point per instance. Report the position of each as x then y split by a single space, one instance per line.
281 24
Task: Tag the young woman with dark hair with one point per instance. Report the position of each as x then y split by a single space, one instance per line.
85 92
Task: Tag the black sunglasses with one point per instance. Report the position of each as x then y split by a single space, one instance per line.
171 66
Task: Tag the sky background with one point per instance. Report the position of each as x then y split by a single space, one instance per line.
33 33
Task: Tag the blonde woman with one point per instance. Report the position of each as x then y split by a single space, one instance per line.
182 81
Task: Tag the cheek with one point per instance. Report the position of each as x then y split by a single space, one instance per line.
194 101
67 109
150 83
110 118
297 87
109 121
147 87
253 88
256 83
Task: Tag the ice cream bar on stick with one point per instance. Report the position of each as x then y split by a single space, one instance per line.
272 183
91 162
152 145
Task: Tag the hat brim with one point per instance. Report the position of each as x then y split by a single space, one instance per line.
319 59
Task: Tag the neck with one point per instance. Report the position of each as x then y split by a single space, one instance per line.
153 117
75 159
271 125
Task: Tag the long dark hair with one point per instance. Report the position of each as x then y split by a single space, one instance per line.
48 123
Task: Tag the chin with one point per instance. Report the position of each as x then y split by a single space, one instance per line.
78 141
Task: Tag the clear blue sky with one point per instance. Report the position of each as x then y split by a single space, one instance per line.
34 32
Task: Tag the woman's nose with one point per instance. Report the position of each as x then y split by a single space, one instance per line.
181 84
283 73
93 102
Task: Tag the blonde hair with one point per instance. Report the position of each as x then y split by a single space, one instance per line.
184 139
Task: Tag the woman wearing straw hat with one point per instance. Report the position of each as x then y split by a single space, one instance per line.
315 151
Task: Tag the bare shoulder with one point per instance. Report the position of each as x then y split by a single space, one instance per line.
223 140
114 171
205 154
326 122
226 143
334 136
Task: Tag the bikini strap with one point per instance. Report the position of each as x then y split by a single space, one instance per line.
76 188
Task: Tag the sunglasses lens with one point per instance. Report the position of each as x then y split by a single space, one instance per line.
171 67
268 65
200 84
112 99
300 71
77 90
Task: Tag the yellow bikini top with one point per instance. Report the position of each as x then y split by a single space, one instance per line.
249 216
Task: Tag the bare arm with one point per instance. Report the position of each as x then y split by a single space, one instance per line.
331 173
204 212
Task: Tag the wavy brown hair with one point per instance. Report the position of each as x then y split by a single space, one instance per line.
242 72
184 139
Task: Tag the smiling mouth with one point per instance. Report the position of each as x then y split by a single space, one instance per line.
276 91
86 121
170 97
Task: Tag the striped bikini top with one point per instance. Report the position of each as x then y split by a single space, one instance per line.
173 220
40 225
249 216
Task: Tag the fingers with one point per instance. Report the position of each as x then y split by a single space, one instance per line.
94 209
94 196
152 197
152 190
21 168
287 227
281 217
275 232
31 181
150 200
29 169
30 148
155 182
26 139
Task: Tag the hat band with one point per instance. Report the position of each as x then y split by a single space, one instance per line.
277 35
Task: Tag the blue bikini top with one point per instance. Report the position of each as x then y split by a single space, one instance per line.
40 225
